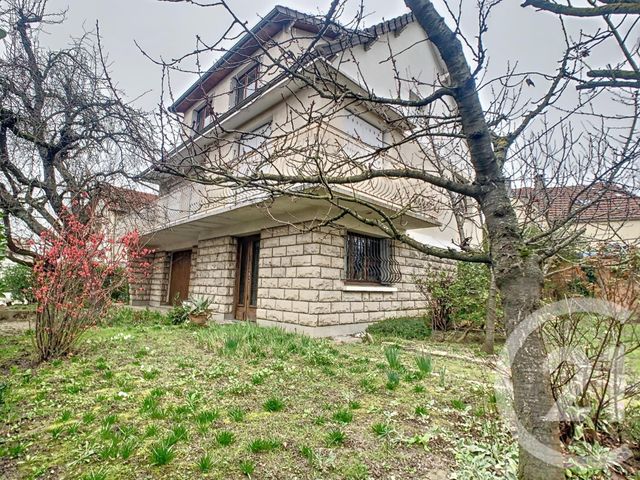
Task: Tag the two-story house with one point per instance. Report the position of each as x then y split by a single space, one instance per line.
256 254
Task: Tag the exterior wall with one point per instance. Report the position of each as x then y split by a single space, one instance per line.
213 275
627 232
159 281
140 286
302 281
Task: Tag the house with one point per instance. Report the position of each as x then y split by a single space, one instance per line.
607 213
276 259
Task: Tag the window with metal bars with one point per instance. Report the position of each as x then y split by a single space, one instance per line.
370 260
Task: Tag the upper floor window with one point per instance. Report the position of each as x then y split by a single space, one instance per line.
254 140
363 131
201 117
246 84
369 260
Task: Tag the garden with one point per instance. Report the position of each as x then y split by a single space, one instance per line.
141 398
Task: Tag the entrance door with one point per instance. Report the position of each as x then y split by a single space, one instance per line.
180 274
246 293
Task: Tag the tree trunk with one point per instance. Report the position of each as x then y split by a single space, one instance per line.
519 279
490 320
518 270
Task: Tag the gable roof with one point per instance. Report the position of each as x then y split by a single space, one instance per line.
266 28
589 203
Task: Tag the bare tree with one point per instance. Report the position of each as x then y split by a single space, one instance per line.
620 19
64 128
492 133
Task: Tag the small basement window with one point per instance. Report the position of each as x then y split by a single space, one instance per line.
370 260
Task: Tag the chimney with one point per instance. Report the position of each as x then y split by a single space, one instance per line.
538 183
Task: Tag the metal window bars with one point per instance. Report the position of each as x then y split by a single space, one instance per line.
370 260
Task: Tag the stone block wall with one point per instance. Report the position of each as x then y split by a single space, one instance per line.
213 270
302 280
159 280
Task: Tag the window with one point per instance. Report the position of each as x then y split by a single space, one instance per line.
252 141
363 131
201 118
246 84
370 260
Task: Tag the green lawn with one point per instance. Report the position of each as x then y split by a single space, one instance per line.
240 401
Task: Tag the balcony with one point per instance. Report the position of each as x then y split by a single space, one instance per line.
192 201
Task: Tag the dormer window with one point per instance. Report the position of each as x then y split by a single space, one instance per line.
201 117
246 84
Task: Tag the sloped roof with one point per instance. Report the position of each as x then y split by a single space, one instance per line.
123 199
266 28
593 203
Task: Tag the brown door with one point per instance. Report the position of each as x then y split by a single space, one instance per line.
246 294
180 274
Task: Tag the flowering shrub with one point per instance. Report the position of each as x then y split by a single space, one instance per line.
74 280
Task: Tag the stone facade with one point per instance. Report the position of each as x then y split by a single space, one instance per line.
301 280
213 272
159 281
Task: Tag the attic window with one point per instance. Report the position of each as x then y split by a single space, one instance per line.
246 84
201 117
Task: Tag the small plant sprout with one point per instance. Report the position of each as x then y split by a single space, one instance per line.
237 414
443 377
247 467
424 364
421 411
225 438
458 404
354 405
392 355
178 434
343 416
162 453
335 438
307 452
207 417
273 405
205 463
100 474
381 429
393 380
261 445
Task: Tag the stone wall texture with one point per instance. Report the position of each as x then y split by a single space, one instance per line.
213 271
301 279
159 280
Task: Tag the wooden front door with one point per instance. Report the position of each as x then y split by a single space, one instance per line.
180 274
246 292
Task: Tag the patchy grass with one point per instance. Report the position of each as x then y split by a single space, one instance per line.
161 401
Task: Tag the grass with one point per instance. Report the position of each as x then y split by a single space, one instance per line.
231 401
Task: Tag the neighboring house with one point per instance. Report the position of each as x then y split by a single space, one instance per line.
608 214
257 258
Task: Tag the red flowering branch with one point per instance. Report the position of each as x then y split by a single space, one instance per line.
77 269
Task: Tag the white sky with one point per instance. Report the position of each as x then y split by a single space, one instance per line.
168 29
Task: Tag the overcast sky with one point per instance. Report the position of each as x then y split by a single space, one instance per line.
168 29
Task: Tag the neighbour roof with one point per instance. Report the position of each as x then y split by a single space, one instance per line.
125 199
266 28
597 202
